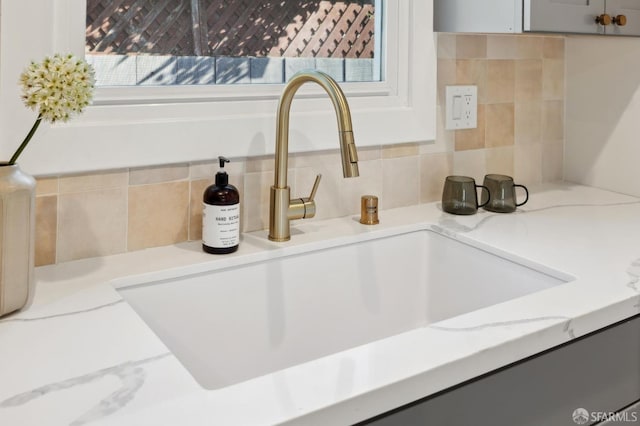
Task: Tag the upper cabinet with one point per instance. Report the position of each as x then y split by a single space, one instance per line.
567 16
625 12
618 17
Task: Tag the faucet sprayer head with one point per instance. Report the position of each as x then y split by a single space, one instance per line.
349 155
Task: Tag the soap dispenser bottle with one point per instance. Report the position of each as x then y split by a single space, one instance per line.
221 215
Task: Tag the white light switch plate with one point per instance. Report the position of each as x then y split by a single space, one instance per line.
461 107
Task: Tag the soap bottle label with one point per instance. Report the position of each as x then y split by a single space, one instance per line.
221 225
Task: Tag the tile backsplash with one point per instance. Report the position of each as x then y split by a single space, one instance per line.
520 81
520 131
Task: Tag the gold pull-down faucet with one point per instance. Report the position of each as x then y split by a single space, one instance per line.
282 208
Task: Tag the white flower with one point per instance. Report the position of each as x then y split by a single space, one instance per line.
58 87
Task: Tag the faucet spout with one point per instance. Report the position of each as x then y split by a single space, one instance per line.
282 209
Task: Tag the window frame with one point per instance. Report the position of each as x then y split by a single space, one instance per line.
141 126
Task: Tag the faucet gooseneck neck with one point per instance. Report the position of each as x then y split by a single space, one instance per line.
343 116
282 208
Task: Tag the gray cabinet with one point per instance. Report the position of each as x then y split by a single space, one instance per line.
477 16
570 16
605 17
599 373
630 9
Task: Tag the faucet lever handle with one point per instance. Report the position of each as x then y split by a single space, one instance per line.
316 184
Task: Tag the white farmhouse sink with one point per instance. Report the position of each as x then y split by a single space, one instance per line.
230 325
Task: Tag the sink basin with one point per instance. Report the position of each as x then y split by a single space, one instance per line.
230 325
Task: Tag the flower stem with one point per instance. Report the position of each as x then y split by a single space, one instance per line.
24 143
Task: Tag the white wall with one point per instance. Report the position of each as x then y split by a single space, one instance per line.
602 140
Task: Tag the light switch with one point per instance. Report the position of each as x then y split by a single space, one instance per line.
457 107
461 107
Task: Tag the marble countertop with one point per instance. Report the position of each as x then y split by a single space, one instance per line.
80 354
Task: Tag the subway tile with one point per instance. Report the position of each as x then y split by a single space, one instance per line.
263 164
528 122
369 153
553 48
235 168
319 159
158 174
46 185
553 79
434 168
446 71
528 80
445 138
203 169
473 72
500 125
158 215
331 161
93 181
400 182
400 150
431 146
195 207
446 45
528 164
255 215
92 224
470 163
502 47
529 47
46 229
500 160
471 46
552 162
552 121
501 75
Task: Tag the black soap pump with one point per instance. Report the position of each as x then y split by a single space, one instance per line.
221 215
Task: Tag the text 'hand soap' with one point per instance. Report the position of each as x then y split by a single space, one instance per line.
221 215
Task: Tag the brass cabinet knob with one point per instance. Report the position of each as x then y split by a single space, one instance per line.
603 19
620 20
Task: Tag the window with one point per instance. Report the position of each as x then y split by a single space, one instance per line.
150 125
147 42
